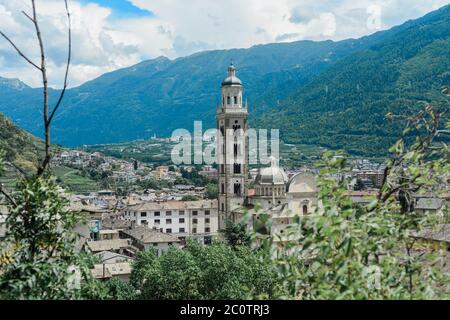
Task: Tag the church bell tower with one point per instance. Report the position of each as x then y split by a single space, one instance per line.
232 148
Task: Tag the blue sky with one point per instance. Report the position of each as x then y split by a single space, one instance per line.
122 9
113 34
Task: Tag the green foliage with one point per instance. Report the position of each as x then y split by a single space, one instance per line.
212 191
370 252
38 256
189 198
19 147
120 290
236 234
216 271
154 184
193 177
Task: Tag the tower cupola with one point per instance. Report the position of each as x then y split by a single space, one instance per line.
231 79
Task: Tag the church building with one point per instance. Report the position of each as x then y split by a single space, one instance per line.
274 193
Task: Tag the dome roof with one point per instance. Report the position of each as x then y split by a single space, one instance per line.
273 175
303 182
231 79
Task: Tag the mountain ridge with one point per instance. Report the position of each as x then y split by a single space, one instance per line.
159 95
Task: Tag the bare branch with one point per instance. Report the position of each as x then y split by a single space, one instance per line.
67 66
28 16
19 51
17 168
8 197
43 69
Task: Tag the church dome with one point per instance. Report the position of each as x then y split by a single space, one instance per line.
273 175
231 79
303 182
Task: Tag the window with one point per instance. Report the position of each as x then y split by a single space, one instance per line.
222 168
168 221
194 230
228 100
305 209
207 230
157 214
194 221
223 207
182 230
222 188
206 220
207 212
235 100
181 212
237 188
155 244
143 214
237 168
168 213
194 213
157 221
168 230
181 220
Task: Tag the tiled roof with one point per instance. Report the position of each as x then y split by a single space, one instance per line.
109 270
106 245
147 235
175 205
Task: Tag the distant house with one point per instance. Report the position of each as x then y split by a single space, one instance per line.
117 245
144 239
435 238
112 257
429 205
120 270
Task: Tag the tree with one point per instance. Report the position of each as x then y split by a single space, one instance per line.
120 290
38 256
212 191
189 198
343 252
204 272
236 234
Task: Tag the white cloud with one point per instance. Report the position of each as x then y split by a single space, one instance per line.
103 42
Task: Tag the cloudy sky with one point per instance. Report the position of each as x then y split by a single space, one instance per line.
111 34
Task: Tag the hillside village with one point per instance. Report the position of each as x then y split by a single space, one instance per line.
133 199
146 206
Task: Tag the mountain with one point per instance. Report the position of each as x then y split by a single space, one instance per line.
21 148
285 85
345 106
161 95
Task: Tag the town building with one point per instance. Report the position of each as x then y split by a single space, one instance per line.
183 219
146 239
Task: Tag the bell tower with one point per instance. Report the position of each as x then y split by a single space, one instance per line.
232 148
